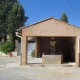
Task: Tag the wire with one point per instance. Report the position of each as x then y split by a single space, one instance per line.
75 9
72 9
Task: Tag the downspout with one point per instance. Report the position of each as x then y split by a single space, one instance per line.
21 39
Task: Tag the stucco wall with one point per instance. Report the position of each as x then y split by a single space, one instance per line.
51 27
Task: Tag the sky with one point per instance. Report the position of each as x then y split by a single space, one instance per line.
38 10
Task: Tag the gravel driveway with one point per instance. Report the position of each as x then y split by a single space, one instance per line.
38 72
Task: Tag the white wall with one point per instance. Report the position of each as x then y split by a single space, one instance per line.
31 47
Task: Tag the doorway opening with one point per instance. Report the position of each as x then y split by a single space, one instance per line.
66 45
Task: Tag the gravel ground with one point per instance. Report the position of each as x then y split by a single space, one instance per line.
6 60
40 73
37 71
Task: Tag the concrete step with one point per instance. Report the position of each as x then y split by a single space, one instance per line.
36 60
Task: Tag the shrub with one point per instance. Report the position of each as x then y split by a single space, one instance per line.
33 53
0 43
1 46
5 47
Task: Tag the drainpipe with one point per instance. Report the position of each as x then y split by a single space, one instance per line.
21 40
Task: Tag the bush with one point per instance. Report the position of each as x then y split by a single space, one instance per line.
5 47
33 53
1 46
0 43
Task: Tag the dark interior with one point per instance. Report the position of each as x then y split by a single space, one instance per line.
64 45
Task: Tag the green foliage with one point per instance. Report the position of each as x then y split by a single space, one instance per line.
5 47
12 41
12 16
0 43
33 53
64 18
5 8
16 19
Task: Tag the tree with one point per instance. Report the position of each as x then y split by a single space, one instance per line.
16 19
5 7
64 18
12 16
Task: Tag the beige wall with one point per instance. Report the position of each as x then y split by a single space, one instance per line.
51 27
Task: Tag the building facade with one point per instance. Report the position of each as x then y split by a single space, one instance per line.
52 37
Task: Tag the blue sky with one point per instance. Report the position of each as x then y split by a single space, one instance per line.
38 10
